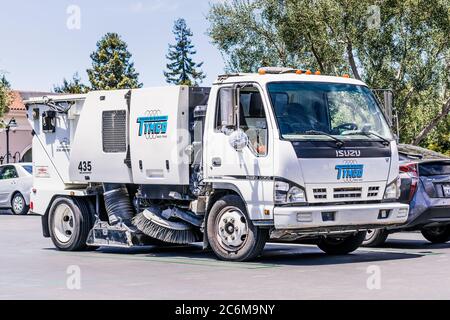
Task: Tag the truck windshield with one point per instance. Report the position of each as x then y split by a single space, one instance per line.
345 111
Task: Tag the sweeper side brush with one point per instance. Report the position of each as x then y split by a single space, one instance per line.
159 228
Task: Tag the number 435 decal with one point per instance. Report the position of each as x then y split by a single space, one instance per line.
85 167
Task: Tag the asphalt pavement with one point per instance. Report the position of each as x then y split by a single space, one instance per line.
406 267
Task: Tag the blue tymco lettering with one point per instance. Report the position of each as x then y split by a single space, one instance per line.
349 171
152 125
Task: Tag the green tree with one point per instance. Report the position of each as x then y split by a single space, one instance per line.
405 48
4 82
5 95
112 67
182 70
74 86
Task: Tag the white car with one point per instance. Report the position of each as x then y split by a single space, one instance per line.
16 180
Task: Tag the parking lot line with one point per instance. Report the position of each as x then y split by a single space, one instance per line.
178 260
385 250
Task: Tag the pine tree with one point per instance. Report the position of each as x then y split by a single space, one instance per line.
5 95
4 82
182 70
72 86
111 65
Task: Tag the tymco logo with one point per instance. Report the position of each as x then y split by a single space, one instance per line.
153 125
350 171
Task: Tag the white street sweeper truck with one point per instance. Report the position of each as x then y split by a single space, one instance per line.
282 154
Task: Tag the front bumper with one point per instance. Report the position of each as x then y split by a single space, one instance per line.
340 217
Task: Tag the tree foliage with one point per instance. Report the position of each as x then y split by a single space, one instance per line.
182 70
407 49
74 86
5 95
112 67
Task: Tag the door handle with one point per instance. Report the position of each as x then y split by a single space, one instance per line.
216 162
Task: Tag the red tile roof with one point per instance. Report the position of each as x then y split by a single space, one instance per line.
17 102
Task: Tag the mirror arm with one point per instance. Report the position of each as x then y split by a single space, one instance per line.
237 91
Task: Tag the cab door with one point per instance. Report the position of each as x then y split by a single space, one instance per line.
8 182
251 169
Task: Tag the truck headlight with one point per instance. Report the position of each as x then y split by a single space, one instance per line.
392 190
296 195
284 193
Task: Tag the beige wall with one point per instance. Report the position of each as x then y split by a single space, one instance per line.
20 140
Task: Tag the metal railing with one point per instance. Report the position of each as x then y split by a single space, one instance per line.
15 158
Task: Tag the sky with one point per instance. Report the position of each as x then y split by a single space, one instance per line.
42 42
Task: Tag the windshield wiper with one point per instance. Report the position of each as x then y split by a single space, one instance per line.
339 142
386 142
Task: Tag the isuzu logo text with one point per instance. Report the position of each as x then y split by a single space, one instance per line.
349 171
348 153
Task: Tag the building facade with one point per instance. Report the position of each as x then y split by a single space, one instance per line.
20 138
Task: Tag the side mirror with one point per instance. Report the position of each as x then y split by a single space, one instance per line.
228 101
389 104
238 140
397 139
386 99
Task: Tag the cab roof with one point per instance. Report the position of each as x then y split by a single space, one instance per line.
276 77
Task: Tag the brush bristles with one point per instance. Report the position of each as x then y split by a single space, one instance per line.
154 230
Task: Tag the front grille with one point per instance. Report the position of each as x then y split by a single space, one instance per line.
351 192
373 192
320 193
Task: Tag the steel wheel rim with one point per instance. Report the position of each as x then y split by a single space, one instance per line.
232 229
18 204
63 223
370 234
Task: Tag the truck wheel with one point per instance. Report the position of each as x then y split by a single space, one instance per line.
232 236
342 245
375 237
18 204
69 223
439 234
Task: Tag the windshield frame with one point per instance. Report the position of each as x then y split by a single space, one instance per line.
327 139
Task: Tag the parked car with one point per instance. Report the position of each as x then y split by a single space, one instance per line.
16 180
425 186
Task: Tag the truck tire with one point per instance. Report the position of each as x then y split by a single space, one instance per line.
231 235
70 221
18 204
439 234
375 237
341 246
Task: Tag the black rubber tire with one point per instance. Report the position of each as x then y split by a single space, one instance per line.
25 208
375 238
342 246
254 243
83 224
439 234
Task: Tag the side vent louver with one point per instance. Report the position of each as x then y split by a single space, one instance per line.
114 125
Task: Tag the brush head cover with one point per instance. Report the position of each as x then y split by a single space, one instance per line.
164 230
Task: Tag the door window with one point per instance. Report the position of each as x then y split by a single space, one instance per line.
8 172
224 99
252 120
28 168
252 117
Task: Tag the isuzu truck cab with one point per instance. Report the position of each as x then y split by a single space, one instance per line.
283 154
